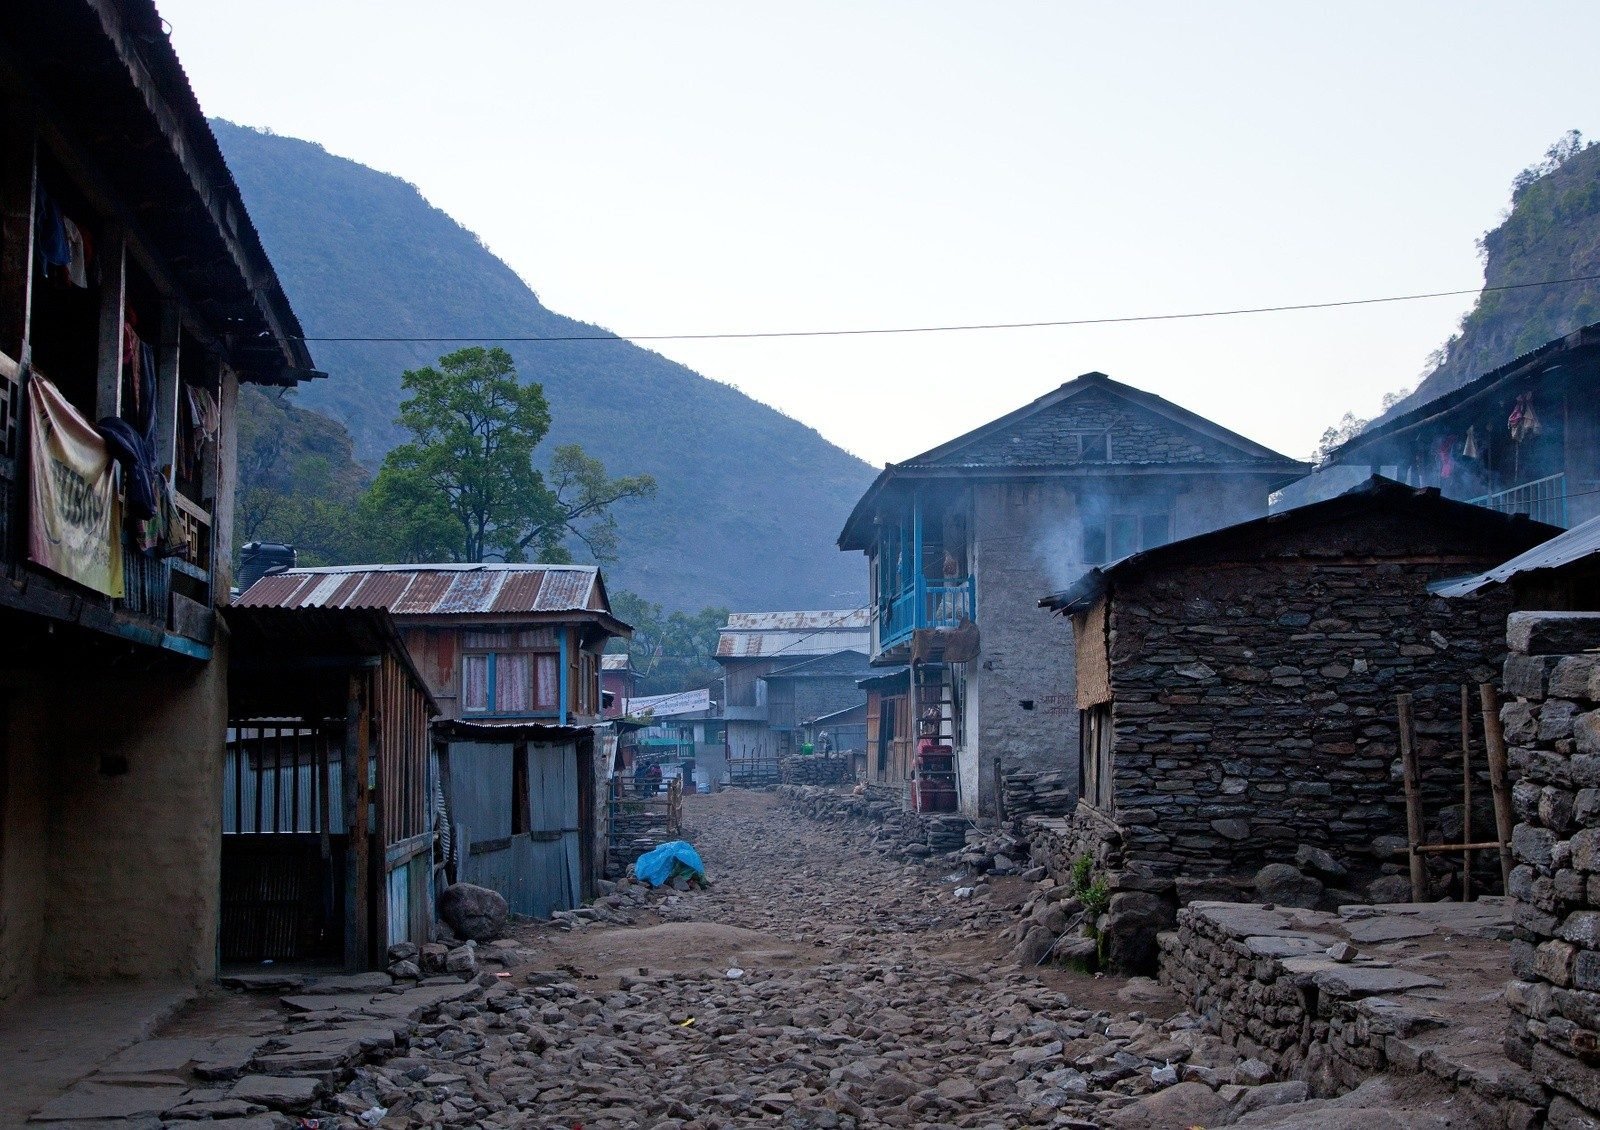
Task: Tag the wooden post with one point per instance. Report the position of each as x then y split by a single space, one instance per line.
353 767
999 792
1466 792
1494 743
1408 762
113 256
17 194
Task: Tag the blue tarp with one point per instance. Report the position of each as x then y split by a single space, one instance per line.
658 865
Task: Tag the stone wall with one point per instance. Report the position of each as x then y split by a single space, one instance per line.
1266 981
1020 687
817 769
1553 729
1254 712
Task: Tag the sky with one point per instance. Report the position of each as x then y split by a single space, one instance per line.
693 167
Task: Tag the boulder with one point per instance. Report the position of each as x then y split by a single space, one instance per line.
473 913
1282 885
1187 1104
1390 888
1319 862
462 961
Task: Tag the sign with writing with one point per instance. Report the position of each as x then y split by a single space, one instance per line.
666 705
72 526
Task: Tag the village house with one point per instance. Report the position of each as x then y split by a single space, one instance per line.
619 682
961 539
135 299
1237 697
755 645
512 656
330 839
1521 439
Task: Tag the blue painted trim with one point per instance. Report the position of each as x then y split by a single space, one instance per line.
563 678
185 646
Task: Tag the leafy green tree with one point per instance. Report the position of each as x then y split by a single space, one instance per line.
670 651
466 487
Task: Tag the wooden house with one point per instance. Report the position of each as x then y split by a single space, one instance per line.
512 655
1520 439
135 299
961 539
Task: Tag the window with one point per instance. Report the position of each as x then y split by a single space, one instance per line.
508 682
1094 447
1112 537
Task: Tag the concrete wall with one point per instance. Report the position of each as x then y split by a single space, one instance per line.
113 823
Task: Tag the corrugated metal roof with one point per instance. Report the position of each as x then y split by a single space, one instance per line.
775 621
623 662
1577 543
758 645
432 590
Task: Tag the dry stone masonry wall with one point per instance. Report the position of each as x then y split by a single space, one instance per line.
1553 729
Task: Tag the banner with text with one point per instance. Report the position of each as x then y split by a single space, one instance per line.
72 528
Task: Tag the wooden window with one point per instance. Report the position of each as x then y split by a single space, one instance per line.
509 682
546 681
475 682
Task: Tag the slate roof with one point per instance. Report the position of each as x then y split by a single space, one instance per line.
1256 538
1092 426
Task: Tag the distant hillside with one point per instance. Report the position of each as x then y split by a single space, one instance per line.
1551 232
750 501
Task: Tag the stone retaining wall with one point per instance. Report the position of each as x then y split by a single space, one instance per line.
818 769
1262 978
1553 729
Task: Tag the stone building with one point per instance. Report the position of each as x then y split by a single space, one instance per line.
970 532
135 300
1237 699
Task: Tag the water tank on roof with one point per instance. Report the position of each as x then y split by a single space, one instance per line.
259 559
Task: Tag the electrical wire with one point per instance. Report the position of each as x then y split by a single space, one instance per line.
887 330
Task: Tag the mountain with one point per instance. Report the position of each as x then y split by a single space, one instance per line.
1552 231
749 501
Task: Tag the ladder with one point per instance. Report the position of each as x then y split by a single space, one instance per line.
933 770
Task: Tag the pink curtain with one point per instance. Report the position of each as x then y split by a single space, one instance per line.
511 683
475 682
547 682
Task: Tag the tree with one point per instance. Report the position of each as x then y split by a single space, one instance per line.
671 652
1350 426
466 487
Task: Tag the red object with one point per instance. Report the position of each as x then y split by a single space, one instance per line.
933 745
933 795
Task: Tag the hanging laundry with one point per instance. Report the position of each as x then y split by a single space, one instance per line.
140 476
77 259
1469 449
203 411
54 250
1523 423
1444 451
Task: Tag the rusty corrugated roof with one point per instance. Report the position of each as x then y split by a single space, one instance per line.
432 590
756 635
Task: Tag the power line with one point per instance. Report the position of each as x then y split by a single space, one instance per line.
1186 316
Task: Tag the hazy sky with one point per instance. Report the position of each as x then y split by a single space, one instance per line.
669 167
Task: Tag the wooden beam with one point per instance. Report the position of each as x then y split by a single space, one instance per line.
357 874
1494 741
113 256
17 194
167 388
1466 793
1408 763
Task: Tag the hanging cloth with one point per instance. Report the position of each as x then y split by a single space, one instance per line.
54 250
1523 423
77 254
1469 449
1445 451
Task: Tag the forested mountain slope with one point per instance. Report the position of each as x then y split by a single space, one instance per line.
749 500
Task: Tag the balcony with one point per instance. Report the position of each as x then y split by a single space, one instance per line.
1543 500
166 601
941 603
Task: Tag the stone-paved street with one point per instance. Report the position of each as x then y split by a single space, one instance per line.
818 983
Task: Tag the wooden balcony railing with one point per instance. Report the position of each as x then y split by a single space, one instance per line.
942 603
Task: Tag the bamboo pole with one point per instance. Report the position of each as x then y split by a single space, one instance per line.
1408 762
1494 741
1466 792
